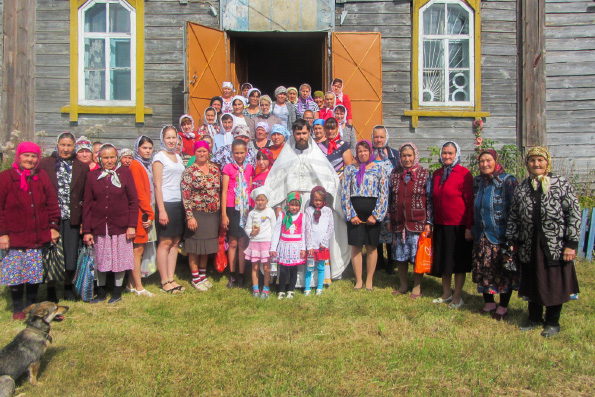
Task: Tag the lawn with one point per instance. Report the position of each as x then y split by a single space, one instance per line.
346 342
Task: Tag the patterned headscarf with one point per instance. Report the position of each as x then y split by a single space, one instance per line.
381 151
287 219
457 160
241 191
125 152
332 143
241 130
359 177
139 158
162 145
543 179
210 127
317 211
303 103
191 134
83 144
228 84
25 147
115 180
268 154
279 129
411 171
497 171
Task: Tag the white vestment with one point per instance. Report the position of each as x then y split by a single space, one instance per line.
300 171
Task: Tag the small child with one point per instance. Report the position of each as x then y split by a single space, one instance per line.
319 229
235 191
288 244
259 226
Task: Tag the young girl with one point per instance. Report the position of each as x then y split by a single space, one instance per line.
188 135
264 162
259 227
288 244
237 179
319 229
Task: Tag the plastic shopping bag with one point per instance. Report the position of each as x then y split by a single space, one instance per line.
423 258
148 264
221 258
85 274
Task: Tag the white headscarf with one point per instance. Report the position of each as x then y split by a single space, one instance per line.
227 135
191 134
210 127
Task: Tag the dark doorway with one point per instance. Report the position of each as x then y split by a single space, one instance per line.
268 60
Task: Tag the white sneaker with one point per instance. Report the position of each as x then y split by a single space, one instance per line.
290 295
200 286
208 284
440 300
318 292
456 305
307 292
144 292
281 295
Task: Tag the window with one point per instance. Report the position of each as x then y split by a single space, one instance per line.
108 43
446 76
107 58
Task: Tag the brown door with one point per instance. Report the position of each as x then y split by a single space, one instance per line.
206 65
357 59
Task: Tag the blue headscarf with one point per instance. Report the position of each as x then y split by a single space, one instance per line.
279 129
448 169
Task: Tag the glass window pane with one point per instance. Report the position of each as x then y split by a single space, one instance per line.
434 19
459 86
433 54
95 18
458 19
94 84
119 18
433 89
458 53
121 84
120 53
94 54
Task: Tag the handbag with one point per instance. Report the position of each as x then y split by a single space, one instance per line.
54 268
148 264
221 257
423 257
85 274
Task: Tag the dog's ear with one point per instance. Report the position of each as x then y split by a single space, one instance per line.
29 309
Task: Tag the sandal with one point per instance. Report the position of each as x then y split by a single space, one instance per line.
144 292
174 290
178 286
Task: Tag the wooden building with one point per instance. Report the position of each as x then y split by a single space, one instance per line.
424 68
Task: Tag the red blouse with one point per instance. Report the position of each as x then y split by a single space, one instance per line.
453 201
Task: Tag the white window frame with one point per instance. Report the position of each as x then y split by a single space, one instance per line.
107 36
470 36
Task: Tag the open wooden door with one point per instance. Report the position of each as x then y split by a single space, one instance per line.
206 67
357 59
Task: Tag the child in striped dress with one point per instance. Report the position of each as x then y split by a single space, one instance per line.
289 245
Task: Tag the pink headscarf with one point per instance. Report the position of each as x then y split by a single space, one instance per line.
25 147
203 144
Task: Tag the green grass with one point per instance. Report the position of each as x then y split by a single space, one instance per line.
224 342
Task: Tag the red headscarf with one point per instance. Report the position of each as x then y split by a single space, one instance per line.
25 147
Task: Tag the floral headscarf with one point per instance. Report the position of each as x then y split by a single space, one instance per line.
544 179
359 177
125 152
288 219
162 145
25 147
114 176
317 211
191 134
268 154
457 160
83 144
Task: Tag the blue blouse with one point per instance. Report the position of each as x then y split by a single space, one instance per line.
375 184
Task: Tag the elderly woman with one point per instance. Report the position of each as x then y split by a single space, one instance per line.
227 90
342 99
336 150
306 102
452 198
543 231
126 156
292 96
364 199
266 116
253 108
493 190
201 186
68 176
346 131
330 101
167 175
279 135
210 126
410 214
318 131
283 109
84 152
142 174
110 216
262 131
29 218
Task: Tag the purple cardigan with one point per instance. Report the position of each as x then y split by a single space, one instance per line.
105 204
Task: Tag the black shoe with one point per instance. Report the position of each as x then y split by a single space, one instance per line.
529 325
550 330
101 295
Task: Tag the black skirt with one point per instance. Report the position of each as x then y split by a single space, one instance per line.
451 252
362 234
176 220
234 229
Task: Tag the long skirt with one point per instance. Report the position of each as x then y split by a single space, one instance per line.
452 253
21 266
114 253
488 272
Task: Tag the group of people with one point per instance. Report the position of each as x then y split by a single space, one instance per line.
296 206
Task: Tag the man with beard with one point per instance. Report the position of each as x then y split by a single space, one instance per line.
301 166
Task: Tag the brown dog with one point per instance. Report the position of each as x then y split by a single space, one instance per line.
25 351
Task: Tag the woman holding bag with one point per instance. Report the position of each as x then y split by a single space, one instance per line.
410 213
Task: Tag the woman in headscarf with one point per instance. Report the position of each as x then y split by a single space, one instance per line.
167 175
493 190
279 136
224 156
225 135
217 103
330 102
342 99
68 176
266 116
110 217
142 175
346 131
29 218
227 91
188 135
410 214
261 136
253 108
84 152
211 124
452 198
318 131
201 185
284 109
305 101
543 232
364 199
125 157
292 96
319 99
336 150
238 111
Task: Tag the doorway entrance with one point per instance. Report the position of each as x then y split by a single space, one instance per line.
268 60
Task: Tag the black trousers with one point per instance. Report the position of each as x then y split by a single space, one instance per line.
552 314
287 275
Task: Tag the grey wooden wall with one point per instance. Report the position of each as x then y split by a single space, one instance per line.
392 18
164 71
570 82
